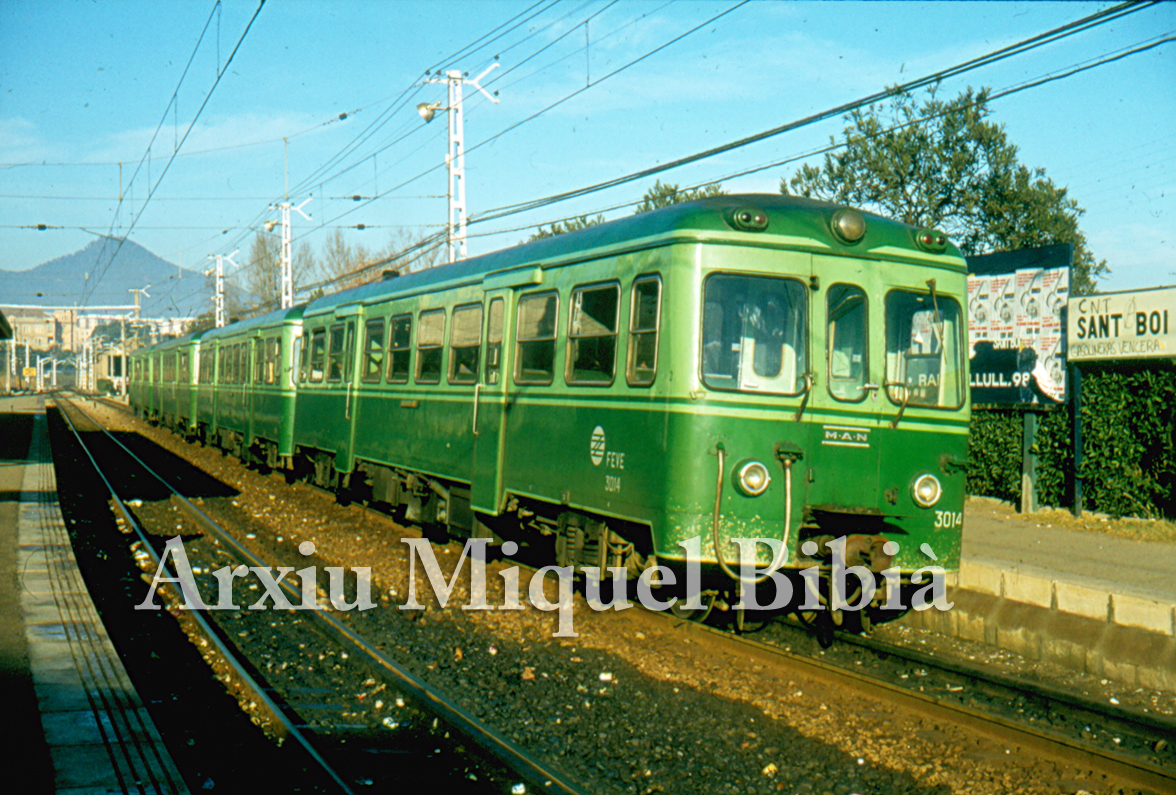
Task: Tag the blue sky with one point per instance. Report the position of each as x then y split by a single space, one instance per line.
84 85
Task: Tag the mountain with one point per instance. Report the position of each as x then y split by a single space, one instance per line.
173 291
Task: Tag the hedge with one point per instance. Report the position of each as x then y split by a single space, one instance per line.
1129 444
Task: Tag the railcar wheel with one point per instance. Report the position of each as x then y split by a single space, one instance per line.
708 604
820 625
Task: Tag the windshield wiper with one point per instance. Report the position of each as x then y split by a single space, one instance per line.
905 399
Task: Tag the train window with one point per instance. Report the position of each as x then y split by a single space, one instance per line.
335 354
373 351
185 368
754 334
430 339
465 343
592 335
318 354
303 356
535 358
848 342
494 342
260 359
924 350
399 349
272 346
349 352
644 321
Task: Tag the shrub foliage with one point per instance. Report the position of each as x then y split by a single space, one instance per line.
1129 444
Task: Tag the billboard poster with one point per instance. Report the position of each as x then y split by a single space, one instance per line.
1016 341
1135 324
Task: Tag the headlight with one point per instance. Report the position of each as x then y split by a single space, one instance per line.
752 478
926 490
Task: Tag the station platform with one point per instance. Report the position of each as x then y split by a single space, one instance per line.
77 724
1082 599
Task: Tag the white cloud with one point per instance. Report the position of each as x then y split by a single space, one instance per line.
20 142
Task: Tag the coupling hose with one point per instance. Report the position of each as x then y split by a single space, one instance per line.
782 553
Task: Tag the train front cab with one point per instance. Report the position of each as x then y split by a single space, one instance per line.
831 385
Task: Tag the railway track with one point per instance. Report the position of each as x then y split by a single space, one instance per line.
1124 746
289 712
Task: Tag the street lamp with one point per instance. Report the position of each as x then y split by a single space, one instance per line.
455 226
429 109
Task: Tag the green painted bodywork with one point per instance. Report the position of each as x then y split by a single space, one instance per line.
656 466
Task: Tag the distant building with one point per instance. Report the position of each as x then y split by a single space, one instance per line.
68 329
34 327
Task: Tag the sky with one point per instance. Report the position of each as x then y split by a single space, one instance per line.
201 116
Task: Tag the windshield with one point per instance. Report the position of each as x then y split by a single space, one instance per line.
923 350
753 334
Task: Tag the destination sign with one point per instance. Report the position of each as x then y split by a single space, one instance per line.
1136 324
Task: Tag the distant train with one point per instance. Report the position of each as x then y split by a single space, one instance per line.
736 367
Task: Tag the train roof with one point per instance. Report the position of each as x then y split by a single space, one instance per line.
804 222
268 320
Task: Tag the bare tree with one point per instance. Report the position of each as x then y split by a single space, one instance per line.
260 278
346 265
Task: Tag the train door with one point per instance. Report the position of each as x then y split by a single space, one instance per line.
491 401
845 404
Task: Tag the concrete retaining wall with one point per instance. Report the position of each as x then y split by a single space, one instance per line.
1124 637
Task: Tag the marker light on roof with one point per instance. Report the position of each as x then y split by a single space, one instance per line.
849 226
750 219
930 240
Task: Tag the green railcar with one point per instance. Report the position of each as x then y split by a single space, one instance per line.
245 389
794 368
173 388
650 390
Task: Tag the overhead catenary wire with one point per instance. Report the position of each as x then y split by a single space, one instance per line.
1069 72
1098 18
239 239
1055 34
1111 58
92 284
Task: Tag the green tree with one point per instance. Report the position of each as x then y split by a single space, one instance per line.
654 199
570 225
664 195
942 164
